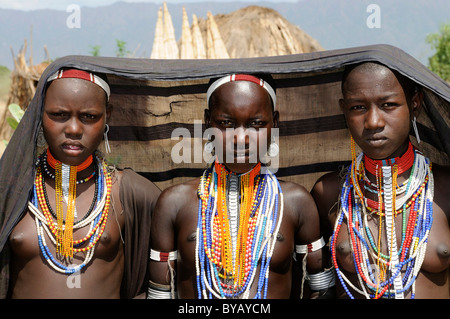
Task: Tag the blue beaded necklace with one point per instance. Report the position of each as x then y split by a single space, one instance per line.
363 244
48 256
208 273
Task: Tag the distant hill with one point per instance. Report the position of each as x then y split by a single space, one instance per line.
333 23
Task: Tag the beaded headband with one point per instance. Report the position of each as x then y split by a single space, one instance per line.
241 77
79 74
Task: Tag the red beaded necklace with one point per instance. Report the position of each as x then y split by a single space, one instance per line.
53 162
403 163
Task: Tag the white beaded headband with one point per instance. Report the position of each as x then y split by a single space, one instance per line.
84 75
241 77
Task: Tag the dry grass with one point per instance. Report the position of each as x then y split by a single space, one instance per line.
17 86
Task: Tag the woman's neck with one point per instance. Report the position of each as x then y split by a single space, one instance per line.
256 167
403 162
54 162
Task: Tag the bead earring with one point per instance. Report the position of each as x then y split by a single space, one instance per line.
416 131
105 137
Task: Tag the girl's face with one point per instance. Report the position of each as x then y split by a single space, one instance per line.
241 112
377 112
74 119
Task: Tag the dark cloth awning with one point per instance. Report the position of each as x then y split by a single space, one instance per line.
153 97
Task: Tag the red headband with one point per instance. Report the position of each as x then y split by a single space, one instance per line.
241 77
79 74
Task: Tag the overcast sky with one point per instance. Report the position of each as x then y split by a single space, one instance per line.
62 4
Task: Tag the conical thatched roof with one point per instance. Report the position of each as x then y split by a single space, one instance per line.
257 31
197 40
186 48
170 44
158 51
215 47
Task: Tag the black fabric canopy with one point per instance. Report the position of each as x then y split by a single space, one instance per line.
151 98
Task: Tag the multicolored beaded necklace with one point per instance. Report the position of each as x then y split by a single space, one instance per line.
238 220
61 231
53 163
380 274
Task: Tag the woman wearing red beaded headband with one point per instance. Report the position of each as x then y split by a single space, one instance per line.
85 231
232 233
388 217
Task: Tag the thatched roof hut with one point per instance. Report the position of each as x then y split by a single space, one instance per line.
248 32
257 31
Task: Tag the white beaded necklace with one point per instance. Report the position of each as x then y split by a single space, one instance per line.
417 249
43 226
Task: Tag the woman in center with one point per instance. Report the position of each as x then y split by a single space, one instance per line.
232 232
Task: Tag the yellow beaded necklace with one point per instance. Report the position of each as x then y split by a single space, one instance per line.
65 236
63 174
248 194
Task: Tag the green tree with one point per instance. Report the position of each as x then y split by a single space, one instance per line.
95 50
439 63
121 50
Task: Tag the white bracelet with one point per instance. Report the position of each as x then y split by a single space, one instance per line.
157 294
158 291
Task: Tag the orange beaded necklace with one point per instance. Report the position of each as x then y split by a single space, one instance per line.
53 162
64 236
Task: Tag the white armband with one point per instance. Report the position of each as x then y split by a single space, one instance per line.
303 249
160 256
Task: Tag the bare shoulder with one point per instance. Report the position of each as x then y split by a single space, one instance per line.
176 196
326 192
294 193
298 202
327 184
181 189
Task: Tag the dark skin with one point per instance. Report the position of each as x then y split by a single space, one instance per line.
74 118
378 112
236 105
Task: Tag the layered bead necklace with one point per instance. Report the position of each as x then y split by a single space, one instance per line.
390 274
238 220
61 231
